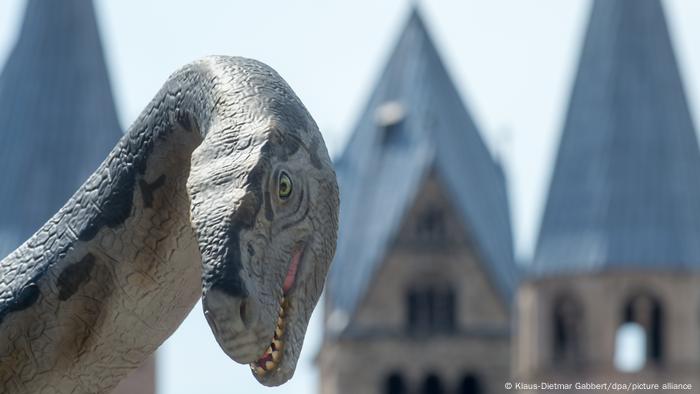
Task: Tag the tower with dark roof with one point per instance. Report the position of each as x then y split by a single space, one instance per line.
57 115
420 290
57 123
618 254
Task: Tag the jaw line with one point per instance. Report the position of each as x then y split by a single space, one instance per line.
288 285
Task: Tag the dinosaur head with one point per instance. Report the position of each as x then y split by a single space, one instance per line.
264 206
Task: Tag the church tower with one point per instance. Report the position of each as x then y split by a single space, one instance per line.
419 295
57 123
613 294
57 115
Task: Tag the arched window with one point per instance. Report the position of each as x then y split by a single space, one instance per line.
432 385
567 329
470 384
394 384
642 323
431 308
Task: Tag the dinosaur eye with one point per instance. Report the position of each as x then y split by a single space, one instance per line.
285 186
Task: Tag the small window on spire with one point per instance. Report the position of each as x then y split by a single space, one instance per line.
431 224
389 117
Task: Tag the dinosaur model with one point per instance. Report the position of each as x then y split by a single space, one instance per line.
222 188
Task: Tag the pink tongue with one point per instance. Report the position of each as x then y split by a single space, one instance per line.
292 272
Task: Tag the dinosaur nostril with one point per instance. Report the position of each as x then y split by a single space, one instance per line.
246 313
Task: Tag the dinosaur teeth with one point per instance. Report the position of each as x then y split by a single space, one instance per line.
278 332
273 354
280 313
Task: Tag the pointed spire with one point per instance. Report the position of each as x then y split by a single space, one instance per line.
625 189
57 116
415 124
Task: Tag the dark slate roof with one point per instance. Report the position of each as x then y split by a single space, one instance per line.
57 117
625 191
378 180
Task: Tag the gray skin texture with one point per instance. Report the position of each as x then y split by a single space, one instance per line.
186 205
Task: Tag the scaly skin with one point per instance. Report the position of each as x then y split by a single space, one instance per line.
189 203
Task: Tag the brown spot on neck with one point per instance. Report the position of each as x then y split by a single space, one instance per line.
73 276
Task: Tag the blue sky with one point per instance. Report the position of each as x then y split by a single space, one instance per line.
512 61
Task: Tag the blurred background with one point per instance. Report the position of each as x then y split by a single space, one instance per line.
519 179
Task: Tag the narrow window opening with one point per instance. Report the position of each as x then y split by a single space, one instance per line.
470 384
431 309
432 385
639 339
447 311
394 384
567 329
413 310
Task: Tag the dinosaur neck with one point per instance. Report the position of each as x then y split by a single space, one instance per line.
99 287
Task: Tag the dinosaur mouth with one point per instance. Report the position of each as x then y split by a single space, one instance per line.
272 356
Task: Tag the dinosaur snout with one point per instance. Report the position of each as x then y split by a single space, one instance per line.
233 320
